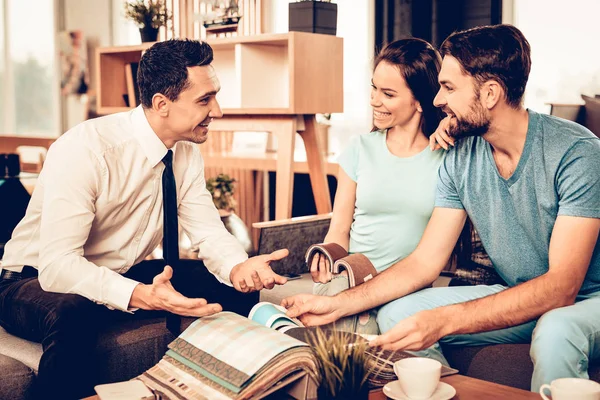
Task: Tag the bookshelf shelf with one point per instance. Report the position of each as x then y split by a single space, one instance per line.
287 73
261 162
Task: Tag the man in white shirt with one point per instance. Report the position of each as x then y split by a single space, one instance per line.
98 211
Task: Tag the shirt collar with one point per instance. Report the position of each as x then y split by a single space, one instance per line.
151 145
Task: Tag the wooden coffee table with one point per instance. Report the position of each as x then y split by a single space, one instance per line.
475 389
466 389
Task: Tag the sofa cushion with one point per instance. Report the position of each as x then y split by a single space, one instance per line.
26 352
129 348
592 114
16 379
476 268
506 364
297 238
125 350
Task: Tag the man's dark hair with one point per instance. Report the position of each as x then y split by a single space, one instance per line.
419 64
163 67
498 52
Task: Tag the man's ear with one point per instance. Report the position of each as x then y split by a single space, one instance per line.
160 104
491 93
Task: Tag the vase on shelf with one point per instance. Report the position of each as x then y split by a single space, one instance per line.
149 34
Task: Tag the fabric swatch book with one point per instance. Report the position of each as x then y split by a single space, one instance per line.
227 356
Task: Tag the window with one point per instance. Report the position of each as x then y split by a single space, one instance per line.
29 99
565 59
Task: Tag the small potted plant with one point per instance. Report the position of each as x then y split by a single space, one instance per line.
222 189
343 365
149 16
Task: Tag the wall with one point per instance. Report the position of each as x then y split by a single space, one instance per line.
355 25
124 32
564 48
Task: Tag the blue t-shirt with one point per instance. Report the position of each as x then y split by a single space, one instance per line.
558 174
394 197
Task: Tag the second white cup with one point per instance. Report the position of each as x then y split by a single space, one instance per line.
571 388
418 376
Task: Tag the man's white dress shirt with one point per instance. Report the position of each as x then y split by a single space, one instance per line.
97 210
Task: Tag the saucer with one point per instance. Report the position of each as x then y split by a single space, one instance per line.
443 391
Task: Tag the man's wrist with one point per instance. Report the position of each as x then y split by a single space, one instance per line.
449 318
234 268
138 297
340 305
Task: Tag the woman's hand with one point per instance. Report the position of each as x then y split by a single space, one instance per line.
320 270
440 138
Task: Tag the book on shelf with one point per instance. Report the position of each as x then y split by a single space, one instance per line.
133 92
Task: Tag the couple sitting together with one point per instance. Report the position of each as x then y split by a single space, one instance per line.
112 188
530 184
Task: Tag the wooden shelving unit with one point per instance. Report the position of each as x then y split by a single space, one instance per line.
288 73
270 83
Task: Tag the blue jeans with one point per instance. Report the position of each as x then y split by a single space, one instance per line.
563 340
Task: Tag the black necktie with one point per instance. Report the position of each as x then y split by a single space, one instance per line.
171 227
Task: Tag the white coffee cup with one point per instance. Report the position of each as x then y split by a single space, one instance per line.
418 376
571 388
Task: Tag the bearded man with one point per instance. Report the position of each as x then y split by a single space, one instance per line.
530 183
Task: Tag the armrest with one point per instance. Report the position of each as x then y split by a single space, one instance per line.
571 112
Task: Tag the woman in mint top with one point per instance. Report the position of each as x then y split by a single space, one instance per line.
387 180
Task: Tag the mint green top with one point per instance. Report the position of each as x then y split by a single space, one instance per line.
394 197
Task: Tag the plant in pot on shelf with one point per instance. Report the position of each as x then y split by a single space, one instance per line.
149 16
222 188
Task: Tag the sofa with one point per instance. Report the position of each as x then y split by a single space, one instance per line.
129 348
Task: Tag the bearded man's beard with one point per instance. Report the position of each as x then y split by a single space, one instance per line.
476 123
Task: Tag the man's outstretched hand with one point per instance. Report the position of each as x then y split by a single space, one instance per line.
312 310
255 273
416 332
161 295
